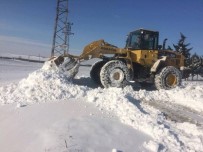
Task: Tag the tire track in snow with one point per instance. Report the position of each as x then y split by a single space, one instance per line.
177 113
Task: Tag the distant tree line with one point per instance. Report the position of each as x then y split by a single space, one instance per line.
192 61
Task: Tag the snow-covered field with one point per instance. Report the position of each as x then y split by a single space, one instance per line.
43 111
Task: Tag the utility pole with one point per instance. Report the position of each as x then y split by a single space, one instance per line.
62 30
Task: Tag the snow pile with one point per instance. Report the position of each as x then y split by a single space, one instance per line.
132 112
189 95
50 84
47 84
41 86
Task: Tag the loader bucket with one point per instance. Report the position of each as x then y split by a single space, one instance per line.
67 65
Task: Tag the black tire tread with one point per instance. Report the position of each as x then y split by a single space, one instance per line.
95 71
160 77
106 69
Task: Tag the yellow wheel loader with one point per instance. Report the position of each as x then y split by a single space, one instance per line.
142 60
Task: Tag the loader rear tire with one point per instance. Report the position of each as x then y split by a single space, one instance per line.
168 78
95 71
114 73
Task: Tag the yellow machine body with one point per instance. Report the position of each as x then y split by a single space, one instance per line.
142 55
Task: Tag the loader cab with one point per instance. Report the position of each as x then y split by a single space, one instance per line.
142 40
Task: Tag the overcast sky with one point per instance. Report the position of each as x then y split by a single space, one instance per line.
32 21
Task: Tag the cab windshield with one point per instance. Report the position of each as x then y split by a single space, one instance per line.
134 41
142 41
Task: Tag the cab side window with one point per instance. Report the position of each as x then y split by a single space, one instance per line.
149 42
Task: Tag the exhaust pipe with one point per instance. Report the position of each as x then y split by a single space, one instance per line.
164 44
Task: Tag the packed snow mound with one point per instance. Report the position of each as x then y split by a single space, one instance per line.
48 84
42 85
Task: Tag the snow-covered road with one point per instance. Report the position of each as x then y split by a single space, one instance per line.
47 126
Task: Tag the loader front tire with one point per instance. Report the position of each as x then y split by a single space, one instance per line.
168 78
114 73
95 71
